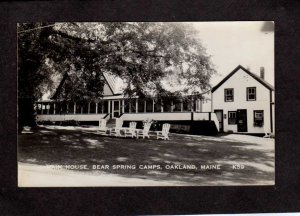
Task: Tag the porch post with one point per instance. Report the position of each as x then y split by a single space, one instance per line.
136 105
67 111
89 107
181 106
145 106
112 106
102 107
192 105
172 106
130 104
74 108
123 106
201 105
48 108
109 106
153 105
96 108
54 108
211 103
162 106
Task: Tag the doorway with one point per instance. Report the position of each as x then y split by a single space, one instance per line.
219 114
116 109
242 120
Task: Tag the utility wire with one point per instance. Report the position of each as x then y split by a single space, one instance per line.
27 30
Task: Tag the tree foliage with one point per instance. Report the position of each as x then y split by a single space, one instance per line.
143 55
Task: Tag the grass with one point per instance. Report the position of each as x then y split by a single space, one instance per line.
57 146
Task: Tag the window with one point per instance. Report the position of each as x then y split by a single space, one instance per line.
85 108
63 107
177 107
78 108
231 117
258 118
133 105
105 106
100 107
130 105
92 107
127 106
198 105
58 108
149 105
157 106
70 108
251 94
186 105
51 109
228 95
141 106
167 106
39 108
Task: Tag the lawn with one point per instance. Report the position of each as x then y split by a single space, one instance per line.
79 146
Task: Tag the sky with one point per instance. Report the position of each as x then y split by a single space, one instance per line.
250 44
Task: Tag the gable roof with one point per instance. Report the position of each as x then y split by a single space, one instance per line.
57 90
110 80
260 80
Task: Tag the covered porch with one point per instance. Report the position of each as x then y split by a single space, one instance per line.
133 109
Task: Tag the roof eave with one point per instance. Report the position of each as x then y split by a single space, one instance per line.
248 72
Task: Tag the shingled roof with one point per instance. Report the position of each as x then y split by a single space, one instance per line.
109 78
260 80
111 81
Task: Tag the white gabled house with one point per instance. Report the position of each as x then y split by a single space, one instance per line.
244 103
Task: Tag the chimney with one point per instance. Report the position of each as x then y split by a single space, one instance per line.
262 72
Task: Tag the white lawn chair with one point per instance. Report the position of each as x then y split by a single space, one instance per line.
164 133
267 133
116 131
131 131
102 126
143 132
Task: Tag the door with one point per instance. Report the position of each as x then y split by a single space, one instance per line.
219 114
116 109
242 120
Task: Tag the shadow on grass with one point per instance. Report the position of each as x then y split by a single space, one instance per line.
65 147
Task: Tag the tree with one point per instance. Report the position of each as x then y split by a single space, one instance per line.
30 70
42 50
143 55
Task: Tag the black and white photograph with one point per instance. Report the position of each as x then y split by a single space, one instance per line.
145 104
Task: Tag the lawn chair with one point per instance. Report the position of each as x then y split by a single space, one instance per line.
131 131
116 131
143 132
102 127
267 133
164 133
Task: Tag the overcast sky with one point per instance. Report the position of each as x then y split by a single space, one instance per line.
250 44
